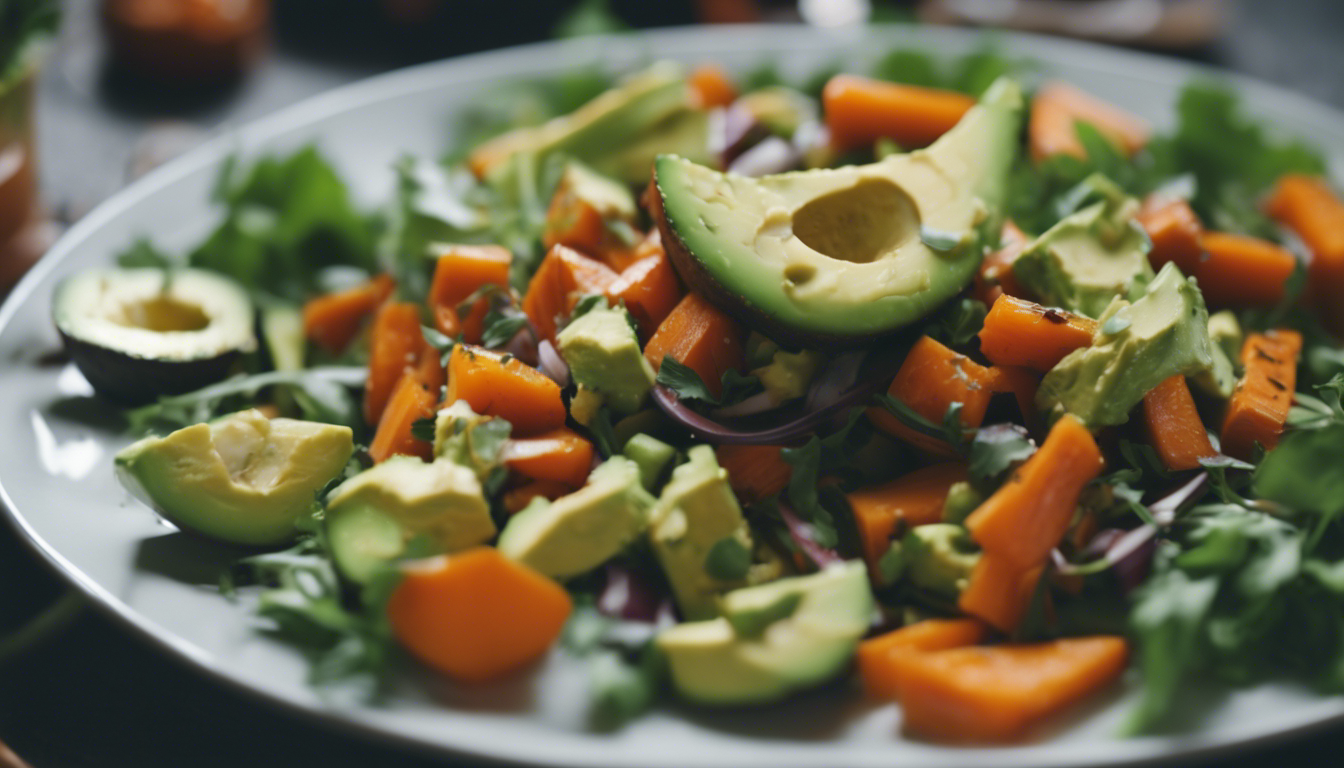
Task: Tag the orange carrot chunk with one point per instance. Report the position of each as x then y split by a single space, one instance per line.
859 111
996 693
932 378
995 277
1174 426
1308 206
461 271
884 512
332 321
649 288
561 455
564 277
699 336
477 615
1020 333
1026 517
410 402
877 671
755 472
1056 109
711 87
510 390
394 348
999 591
1175 232
1259 407
1242 271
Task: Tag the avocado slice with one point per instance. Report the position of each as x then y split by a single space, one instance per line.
140 334
841 255
242 478
605 358
773 639
576 533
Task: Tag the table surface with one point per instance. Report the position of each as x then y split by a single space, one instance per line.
93 694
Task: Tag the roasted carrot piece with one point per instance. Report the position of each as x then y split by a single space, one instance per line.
518 498
1022 384
564 277
995 277
410 402
1308 206
476 615
711 87
1026 517
876 670
699 336
859 111
1242 271
332 321
996 693
574 223
1058 106
884 512
931 378
1174 426
461 271
1020 333
649 287
755 472
1175 232
511 390
999 591
394 348
1259 407
561 455
430 372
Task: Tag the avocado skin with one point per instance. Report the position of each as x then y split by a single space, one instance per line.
132 380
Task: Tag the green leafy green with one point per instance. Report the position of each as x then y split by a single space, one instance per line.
958 322
590 17
24 26
820 456
995 450
322 394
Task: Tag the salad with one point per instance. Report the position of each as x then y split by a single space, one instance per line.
973 394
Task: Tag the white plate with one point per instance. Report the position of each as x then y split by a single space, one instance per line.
56 477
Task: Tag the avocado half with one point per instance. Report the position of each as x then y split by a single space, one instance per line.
840 256
139 334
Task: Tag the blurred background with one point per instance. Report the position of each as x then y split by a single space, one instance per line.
125 85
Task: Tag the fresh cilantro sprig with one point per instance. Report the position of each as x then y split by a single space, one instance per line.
687 384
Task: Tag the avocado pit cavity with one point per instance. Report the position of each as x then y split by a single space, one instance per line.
860 223
161 314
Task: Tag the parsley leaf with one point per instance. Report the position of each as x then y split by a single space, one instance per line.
501 325
687 384
323 394
995 450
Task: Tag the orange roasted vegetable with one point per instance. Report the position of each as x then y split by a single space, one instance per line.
394 348
698 335
518 498
755 472
999 591
649 288
1242 271
411 401
884 512
1308 206
332 321
1056 109
1174 427
711 87
476 615
995 277
931 378
1175 232
878 672
564 277
859 111
510 390
461 271
561 455
1259 407
1020 333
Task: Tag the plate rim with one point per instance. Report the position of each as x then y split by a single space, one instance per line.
313 110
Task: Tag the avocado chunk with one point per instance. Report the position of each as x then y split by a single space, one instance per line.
604 357
789 374
779 108
241 478
938 557
1136 347
652 456
1089 257
610 199
440 500
1221 380
362 540
696 511
470 440
841 255
772 639
140 334
576 533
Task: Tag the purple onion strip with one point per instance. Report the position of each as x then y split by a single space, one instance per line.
771 156
552 364
805 536
626 596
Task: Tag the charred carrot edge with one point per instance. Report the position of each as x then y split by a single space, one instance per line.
1258 409
1024 334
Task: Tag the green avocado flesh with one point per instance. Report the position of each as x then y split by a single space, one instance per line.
841 253
243 478
773 639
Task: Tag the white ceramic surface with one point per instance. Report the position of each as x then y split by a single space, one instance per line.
56 477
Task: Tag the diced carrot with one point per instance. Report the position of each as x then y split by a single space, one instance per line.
394 348
699 336
884 512
1022 384
649 287
1174 426
995 277
1058 106
1308 206
755 472
510 390
999 591
332 321
447 322
1258 409
876 670
859 111
1029 514
410 402
477 615
711 87
461 271
518 498
574 223
1175 232
1242 271
430 371
931 379
561 455
996 693
564 277
1020 333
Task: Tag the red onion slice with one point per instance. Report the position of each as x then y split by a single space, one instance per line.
626 596
773 155
804 536
552 364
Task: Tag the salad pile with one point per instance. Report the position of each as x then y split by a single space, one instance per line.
975 394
